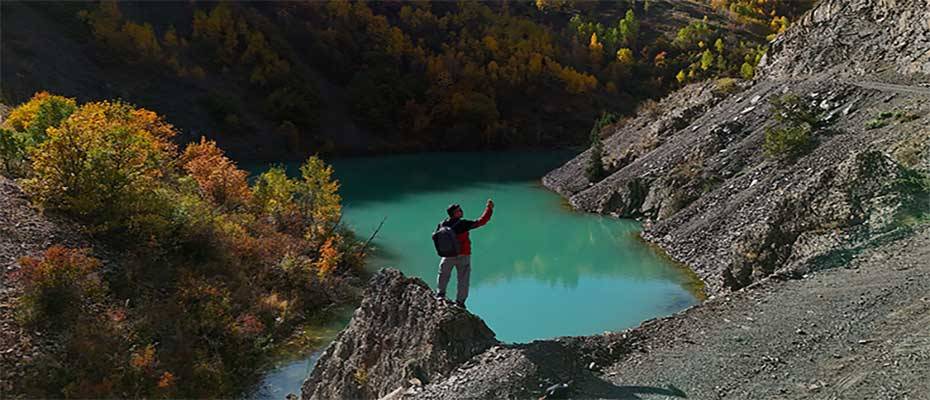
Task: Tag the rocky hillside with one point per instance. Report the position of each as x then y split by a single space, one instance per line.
696 170
816 259
857 37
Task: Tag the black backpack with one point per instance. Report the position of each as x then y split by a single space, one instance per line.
447 245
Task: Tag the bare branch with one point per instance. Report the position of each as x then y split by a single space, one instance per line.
361 252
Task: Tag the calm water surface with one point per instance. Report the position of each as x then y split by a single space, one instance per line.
539 270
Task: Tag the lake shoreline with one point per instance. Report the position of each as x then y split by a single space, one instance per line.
518 257
304 346
794 334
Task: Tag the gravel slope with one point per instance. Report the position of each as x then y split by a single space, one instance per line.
859 332
24 231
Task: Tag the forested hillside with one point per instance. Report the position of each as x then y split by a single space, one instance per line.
152 272
280 79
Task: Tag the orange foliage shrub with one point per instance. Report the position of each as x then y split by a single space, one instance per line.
166 381
144 359
330 257
249 325
220 181
58 285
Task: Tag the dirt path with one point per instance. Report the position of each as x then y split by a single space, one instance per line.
890 87
860 332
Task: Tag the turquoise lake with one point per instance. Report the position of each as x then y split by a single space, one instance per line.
539 269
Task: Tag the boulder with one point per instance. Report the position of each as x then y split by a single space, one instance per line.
400 334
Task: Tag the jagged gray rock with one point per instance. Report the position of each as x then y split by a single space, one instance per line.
399 333
857 37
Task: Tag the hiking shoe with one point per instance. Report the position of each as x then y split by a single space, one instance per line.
461 304
440 296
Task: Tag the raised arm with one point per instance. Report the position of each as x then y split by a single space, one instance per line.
485 216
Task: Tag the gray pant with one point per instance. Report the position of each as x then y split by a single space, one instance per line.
462 267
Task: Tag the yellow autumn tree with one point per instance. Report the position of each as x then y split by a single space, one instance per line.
319 196
34 117
308 206
625 56
101 162
596 49
143 41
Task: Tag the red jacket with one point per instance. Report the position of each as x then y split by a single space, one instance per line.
462 226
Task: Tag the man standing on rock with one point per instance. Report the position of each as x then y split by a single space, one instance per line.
462 261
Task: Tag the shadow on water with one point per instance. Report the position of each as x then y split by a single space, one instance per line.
539 270
386 179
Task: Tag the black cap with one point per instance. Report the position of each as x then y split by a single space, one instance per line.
451 209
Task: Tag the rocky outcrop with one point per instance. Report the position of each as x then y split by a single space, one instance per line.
696 171
402 342
399 336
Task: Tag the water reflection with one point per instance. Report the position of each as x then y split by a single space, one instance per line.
285 378
539 270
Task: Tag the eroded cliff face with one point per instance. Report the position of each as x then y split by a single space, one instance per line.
400 336
855 37
696 171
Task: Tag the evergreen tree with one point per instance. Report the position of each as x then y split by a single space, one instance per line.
629 29
595 170
707 60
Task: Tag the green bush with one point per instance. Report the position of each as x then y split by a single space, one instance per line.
876 123
787 141
726 86
903 116
12 152
595 169
747 71
27 126
794 110
885 118
50 113
798 121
